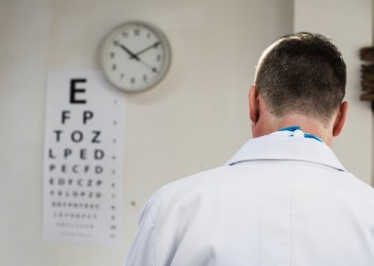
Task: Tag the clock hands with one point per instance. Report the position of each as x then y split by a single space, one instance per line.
132 55
145 49
136 57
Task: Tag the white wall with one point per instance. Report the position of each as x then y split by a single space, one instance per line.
349 24
195 119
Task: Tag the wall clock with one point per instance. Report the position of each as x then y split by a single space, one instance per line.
135 56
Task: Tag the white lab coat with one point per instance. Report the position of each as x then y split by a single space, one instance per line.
279 201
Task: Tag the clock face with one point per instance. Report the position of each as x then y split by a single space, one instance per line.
135 56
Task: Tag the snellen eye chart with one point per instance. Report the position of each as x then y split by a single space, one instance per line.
83 159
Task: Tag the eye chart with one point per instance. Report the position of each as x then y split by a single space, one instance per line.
83 159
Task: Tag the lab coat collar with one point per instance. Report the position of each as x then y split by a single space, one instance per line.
280 146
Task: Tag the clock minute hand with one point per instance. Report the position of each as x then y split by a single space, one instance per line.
145 49
132 55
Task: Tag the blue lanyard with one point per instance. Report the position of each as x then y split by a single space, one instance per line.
297 128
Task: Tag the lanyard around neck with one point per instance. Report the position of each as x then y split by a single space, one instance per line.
295 131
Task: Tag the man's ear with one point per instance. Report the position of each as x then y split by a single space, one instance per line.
254 106
340 119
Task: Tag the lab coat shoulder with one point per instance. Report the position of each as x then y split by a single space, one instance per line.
142 249
176 192
160 222
178 205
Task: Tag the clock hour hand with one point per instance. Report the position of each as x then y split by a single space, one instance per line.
145 49
132 55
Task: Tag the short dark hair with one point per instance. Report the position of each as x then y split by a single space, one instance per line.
303 73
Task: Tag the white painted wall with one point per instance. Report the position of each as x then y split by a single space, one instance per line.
349 24
195 119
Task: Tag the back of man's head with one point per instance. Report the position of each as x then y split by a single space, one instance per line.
302 73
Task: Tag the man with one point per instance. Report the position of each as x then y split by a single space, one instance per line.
284 198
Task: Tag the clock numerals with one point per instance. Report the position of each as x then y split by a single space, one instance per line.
114 67
125 34
122 76
133 80
116 42
136 32
158 58
145 78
